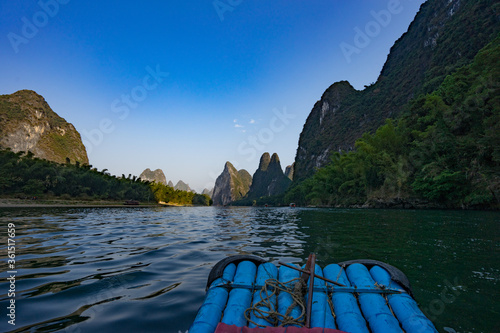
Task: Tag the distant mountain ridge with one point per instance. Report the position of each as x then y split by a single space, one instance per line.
208 192
269 179
154 176
27 123
239 187
159 176
181 186
433 47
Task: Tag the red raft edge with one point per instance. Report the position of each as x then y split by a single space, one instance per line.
223 328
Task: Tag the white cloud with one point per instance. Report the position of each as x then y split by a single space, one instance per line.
252 121
238 125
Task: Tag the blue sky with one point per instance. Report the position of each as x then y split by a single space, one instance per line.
187 85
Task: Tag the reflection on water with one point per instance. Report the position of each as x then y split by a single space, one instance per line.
270 233
144 270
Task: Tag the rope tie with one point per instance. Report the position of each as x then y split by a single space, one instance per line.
271 288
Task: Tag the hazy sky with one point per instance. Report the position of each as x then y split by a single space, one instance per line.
187 85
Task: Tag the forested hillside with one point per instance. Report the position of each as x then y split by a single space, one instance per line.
25 176
444 151
27 123
444 36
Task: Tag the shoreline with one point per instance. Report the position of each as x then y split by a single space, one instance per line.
47 203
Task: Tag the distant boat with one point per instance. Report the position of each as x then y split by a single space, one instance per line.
292 204
131 202
249 294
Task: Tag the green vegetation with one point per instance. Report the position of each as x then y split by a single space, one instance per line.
242 183
167 194
444 36
444 149
20 105
25 176
202 200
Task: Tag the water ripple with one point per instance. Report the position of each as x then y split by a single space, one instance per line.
144 270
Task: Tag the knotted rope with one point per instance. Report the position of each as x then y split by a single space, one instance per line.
271 288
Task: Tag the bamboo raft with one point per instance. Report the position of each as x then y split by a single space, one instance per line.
246 294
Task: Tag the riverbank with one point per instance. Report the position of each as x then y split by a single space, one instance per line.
172 204
26 203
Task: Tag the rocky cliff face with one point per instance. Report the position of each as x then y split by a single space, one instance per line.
433 47
231 185
154 176
268 179
27 123
289 171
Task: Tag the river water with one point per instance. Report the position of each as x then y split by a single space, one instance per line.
145 269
